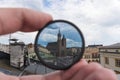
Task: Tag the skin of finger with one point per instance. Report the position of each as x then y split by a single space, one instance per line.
102 74
32 77
66 75
86 71
7 77
21 19
34 20
57 75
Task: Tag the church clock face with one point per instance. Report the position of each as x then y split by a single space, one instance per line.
59 45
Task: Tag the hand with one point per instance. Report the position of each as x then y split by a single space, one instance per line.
12 20
19 19
80 71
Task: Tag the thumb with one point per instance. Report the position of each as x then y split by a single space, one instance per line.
67 74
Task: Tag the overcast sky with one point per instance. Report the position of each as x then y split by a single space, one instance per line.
99 20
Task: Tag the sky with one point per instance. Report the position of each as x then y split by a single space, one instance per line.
70 33
99 20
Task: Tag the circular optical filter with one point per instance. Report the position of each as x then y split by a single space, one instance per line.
59 44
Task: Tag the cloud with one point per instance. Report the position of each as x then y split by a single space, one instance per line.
86 11
32 4
93 17
4 39
99 20
66 29
48 37
72 43
25 37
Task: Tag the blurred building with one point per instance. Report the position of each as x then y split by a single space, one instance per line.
16 53
35 69
43 49
4 48
110 56
73 51
31 52
91 53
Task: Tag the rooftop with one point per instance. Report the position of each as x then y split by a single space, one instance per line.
7 69
99 45
116 45
36 69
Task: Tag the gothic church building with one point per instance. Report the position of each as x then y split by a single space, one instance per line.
58 48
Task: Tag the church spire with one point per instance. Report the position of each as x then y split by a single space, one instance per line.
59 34
63 36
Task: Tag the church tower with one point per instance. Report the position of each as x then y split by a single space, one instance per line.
59 41
63 46
64 41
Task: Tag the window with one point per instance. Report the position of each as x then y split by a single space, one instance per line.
117 62
95 55
117 51
106 60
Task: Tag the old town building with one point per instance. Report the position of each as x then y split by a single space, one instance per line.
17 53
4 48
110 56
91 53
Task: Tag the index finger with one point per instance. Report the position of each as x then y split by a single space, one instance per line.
20 19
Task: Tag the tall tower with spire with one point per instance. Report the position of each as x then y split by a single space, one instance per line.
59 44
63 46
58 48
61 41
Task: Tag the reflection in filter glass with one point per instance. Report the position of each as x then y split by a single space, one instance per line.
59 44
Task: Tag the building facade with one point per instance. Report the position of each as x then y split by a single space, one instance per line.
17 54
110 57
91 53
4 48
31 52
